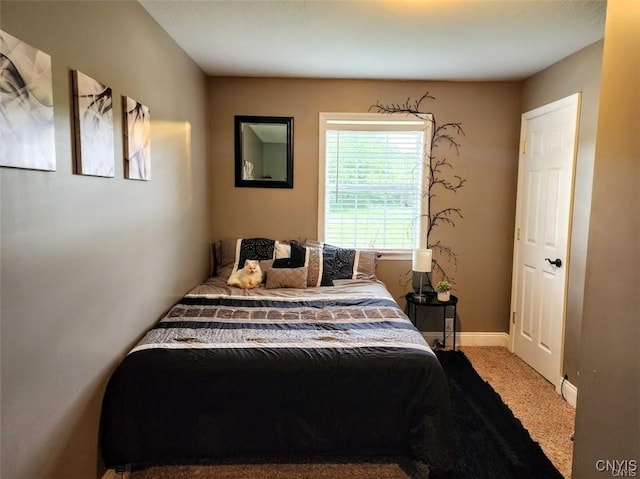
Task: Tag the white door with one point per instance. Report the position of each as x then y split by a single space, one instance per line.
543 215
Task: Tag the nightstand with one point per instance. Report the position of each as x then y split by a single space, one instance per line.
430 301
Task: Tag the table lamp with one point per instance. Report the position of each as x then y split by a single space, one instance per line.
421 263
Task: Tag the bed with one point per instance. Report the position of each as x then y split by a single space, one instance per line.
334 370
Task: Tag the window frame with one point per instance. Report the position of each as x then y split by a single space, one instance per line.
400 122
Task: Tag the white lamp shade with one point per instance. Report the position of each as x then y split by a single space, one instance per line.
421 261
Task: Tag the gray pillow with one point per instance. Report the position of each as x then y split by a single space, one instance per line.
287 278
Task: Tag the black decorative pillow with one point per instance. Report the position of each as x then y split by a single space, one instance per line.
344 262
253 248
328 267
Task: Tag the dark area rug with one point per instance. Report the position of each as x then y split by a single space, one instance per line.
490 442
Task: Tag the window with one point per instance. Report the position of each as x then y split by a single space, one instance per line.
371 180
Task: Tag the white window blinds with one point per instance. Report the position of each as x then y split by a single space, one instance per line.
373 182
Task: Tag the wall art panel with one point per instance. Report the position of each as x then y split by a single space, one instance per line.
137 139
94 147
27 134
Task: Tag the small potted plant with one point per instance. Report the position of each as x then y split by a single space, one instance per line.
444 290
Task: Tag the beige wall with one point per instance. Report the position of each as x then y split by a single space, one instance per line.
88 263
490 115
578 73
608 409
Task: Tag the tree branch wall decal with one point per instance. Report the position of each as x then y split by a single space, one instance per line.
437 162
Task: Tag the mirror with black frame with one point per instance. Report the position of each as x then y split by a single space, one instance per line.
264 151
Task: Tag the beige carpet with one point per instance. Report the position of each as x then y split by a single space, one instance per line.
275 471
547 417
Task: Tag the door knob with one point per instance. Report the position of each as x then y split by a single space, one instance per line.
557 262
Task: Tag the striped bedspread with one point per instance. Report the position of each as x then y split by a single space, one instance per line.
358 314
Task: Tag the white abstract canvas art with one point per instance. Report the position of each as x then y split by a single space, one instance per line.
93 123
27 134
137 140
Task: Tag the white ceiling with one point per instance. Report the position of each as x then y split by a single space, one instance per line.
380 39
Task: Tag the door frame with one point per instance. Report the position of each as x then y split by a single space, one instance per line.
568 100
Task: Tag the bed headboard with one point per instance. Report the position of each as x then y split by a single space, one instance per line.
214 258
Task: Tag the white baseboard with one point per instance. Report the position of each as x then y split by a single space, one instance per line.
471 339
569 391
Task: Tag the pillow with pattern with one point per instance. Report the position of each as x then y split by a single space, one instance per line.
287 278
253 248
348 263
345 265
314 263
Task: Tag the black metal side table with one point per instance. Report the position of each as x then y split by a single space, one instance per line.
430 301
